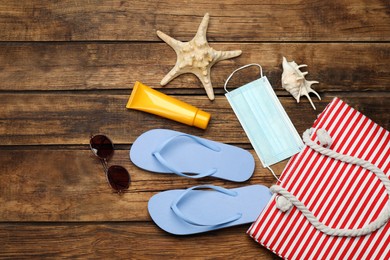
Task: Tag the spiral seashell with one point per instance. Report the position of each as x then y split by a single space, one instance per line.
293 80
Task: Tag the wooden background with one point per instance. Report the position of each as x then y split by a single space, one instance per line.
67 69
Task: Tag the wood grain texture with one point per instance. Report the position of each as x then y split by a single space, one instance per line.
55 119
270 20
67 69
123 240
92 66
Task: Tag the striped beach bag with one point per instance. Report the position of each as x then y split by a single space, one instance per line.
323 202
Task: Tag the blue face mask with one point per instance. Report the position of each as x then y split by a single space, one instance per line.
264 120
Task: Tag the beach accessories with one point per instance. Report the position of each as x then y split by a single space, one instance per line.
191 211
117 176
196 56
167 151
293 80
264 120
152 101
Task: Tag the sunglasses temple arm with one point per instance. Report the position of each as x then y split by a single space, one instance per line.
104 163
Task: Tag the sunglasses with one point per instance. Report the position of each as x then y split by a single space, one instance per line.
117 176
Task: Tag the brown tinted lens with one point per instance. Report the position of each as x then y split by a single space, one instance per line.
102 146
118 177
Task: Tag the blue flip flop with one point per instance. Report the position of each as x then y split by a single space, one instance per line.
192 211
168 151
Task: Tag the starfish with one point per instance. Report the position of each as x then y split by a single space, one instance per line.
196 56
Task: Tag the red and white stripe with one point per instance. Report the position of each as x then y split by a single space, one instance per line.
339 195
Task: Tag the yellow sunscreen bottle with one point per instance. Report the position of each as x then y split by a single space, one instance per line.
152 101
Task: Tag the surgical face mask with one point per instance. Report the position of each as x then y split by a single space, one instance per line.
264 120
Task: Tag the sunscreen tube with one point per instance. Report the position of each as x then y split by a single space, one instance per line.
152 101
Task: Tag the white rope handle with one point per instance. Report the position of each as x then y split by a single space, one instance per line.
240 68
285 200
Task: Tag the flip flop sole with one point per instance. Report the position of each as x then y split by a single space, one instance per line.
231 162
207 206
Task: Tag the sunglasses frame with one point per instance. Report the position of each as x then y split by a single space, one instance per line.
104 162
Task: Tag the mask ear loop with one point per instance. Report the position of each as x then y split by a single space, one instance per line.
240 68
273 173
261 75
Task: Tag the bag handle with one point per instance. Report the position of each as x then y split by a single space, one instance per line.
285 200
240 68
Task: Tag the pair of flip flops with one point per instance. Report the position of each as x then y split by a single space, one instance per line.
205 207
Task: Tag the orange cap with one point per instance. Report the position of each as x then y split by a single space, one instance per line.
201 119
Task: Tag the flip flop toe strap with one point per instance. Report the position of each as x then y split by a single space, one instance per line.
169 166
189 220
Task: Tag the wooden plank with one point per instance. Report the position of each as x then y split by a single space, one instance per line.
69 185
58 118
86 66
268 20
124 241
